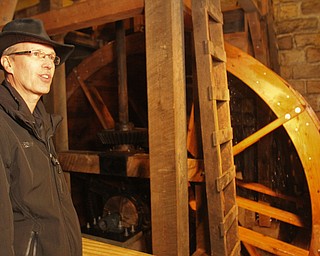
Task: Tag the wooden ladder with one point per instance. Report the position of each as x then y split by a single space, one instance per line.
215 127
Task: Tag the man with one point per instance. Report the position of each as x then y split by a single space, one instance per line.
37 216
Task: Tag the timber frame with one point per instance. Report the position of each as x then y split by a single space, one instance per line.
60 21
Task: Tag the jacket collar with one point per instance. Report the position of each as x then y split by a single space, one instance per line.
14 105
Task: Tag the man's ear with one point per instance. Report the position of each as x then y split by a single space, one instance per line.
5 62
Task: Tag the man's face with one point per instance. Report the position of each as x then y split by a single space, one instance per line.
29 74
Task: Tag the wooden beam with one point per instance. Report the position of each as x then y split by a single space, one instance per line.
89 13
23 4
7 8
273 212
137 164
276 247
258 36
167 126
93 248
249 5
96 103
267 191
255 137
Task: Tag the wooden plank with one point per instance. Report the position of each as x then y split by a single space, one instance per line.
7 8
259 37
137 164
95 248
272 38
274 246
76 161
222 136
167 127
273 212
224 180
23 4
267 191
251 249
77 16
249 5
217 53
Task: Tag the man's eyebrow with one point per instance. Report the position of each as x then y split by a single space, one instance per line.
41 50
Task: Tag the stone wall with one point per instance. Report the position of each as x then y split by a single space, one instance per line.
297 27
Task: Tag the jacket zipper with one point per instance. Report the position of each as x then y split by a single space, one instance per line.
58 182
32 244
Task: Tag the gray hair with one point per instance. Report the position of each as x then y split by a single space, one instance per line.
9 50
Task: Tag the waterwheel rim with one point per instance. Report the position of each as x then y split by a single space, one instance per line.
294 114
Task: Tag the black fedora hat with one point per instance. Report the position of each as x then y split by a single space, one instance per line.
31 30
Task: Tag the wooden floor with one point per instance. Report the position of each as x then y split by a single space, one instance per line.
96 248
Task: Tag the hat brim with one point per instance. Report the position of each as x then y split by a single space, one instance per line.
8 39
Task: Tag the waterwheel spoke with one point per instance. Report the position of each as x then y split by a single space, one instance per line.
269 244
273 212
257 187
253 138
303 131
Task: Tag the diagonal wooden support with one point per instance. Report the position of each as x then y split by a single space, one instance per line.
97 103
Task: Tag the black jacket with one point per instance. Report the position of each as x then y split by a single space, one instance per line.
37 216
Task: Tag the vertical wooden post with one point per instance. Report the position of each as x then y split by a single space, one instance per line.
167 126
56 100
59 106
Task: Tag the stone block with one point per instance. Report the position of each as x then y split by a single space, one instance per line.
297 25
292 57
288 11
306 71
286 72
299 85
306 39
313 86
285 42
310 7
314 101
313 54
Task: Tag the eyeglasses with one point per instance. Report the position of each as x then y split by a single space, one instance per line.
39 54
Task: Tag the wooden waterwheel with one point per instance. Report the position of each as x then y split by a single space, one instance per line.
302 126
291 113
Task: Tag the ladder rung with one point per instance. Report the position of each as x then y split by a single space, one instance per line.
214 12
225 179
236 249
218 94
222 136
228 220
216 51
